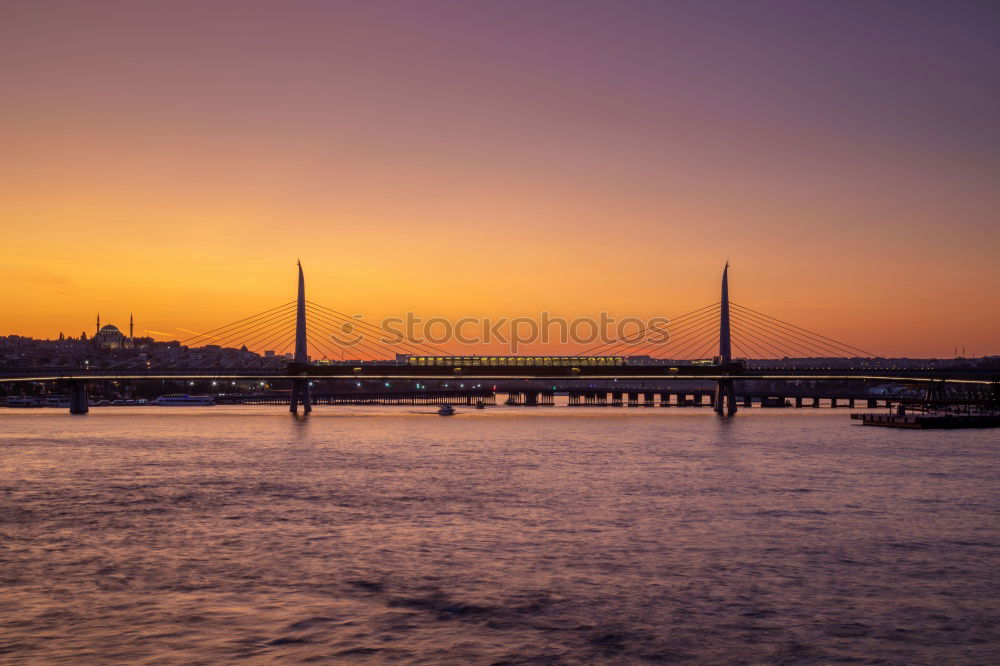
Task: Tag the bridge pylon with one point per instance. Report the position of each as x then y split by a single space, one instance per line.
725 393
79 402
300 386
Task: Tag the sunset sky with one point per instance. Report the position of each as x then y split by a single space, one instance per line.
500 158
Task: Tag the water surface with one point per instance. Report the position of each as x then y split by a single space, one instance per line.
509 535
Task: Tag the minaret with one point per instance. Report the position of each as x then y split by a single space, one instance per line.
131 327
98 323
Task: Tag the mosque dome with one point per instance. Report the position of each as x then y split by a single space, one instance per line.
109 337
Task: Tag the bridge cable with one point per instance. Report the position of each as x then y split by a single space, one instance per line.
813 347
239 321
779 321
436 350
257 333
692 336
750 350
675 335
327 330
253 338
246 321
272 336
375 353
618 342
712 332
256 337
786 347
365 332
764 349
739 348
323 334
663 347
714 342
769 348
328 353
694 321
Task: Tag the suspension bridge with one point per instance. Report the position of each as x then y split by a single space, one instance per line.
743 344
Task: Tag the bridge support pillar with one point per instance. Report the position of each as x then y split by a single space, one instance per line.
300 393
725 397
79 402
300 386
798 402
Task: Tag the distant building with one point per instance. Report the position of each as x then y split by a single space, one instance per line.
109 337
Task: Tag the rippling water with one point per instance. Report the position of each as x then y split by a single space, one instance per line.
547 535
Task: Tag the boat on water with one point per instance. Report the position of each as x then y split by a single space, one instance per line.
929 421
24 401
936 415
446 410
57 401
480 404
185 400
774 402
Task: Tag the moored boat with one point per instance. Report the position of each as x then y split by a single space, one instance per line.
185 400
929 421
57 401
24 401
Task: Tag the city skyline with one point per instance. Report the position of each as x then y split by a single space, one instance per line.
477 160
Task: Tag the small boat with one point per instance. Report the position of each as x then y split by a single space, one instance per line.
185 400
480 404
446 410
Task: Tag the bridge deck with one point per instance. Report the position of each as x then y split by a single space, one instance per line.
488 373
